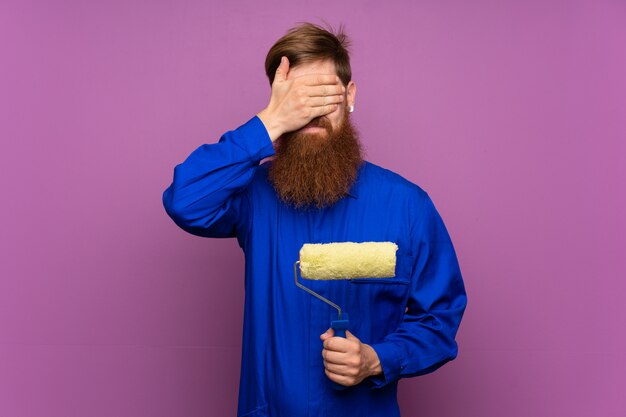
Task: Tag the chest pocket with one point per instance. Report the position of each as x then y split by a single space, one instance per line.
387 294
378 304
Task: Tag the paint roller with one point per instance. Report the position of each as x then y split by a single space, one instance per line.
344 260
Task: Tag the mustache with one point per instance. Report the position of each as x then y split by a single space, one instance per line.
320 121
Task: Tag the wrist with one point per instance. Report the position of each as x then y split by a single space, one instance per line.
271 124
374 367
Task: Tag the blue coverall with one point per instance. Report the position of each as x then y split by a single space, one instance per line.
221 190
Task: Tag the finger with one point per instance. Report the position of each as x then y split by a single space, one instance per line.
336 369
350 336
324 101
337 344
323 110
327 334
340 379
342 370
337 358
282 70
320 79
325 90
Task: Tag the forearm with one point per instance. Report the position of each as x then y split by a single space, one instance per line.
418 347
424 340
212 175
272 124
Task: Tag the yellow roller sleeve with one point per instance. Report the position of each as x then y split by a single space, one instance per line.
345 260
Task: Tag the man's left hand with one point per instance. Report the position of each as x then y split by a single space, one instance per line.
348 361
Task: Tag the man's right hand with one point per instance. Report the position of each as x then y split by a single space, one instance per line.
294 103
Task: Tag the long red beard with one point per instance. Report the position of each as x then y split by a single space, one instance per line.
313 169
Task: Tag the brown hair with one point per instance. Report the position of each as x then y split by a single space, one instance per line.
308 42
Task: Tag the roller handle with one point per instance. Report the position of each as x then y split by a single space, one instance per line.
340 327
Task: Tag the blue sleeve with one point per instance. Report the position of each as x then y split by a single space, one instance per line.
208 195
425 339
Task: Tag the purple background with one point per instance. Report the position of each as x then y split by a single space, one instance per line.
510 114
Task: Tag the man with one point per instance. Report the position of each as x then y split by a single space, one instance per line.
318 189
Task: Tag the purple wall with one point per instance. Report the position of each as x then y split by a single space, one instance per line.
510 114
